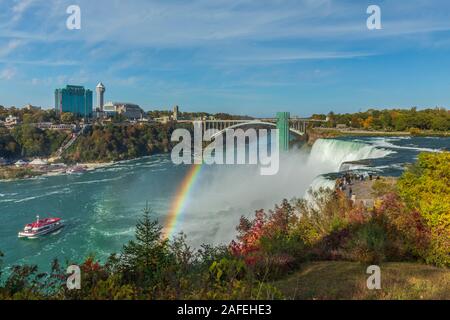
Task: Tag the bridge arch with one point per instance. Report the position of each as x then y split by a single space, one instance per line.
254 122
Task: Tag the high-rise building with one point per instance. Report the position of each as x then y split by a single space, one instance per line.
100 90
74 99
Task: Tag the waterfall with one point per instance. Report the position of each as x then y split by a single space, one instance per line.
331 154
225 193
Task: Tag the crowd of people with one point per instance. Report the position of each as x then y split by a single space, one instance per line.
347 180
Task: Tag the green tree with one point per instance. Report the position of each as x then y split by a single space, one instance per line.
34 142
386 119
68 118
426 187
144 259
440 124
9 148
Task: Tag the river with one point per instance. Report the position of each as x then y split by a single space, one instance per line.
100 208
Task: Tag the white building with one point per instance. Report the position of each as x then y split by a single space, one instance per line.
128 110
30 107
11 121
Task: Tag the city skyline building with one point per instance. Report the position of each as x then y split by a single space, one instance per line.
74 99
100 91
130 111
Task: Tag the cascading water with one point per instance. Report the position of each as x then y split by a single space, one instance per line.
330 154
225 193
333 153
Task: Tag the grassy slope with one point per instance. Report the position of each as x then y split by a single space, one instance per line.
347 280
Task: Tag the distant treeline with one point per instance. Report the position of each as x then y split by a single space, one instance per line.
195 115
29 141
392 120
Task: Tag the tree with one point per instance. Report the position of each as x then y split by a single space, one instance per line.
386 119
144 259
355 122
331 120
425 187
368 122
440 124
67 117
33 142
319 117
119 118
9 148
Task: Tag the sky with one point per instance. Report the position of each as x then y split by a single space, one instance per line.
253 57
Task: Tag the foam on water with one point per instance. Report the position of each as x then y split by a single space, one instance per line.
387 143
333 153
48 194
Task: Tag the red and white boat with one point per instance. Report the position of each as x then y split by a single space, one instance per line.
41 228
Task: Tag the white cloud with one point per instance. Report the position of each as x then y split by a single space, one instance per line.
10 47
212 25
20 8
7 74
206 23
46 63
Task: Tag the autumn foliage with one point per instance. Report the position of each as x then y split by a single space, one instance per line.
403 226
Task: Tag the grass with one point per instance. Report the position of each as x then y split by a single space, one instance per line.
337 280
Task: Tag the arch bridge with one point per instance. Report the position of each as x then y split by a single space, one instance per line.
283 122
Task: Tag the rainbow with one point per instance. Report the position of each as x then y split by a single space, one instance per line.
178 205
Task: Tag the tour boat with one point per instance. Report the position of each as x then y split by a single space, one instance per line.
41 228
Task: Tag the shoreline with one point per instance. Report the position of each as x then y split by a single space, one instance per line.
36 173
90 166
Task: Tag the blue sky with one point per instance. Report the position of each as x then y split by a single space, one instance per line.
251 57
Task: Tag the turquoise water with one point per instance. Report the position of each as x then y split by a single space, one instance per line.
100 208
